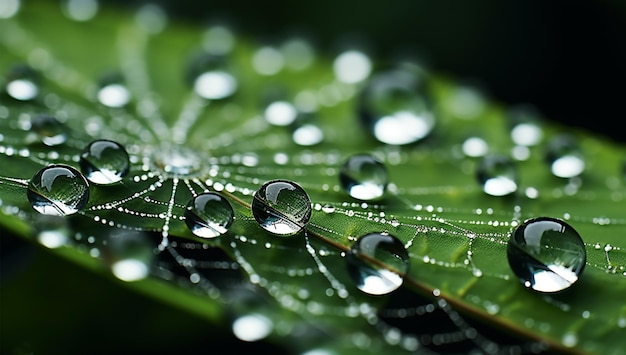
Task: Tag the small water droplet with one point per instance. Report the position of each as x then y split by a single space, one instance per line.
364 177
209 215
497 175
130 255
48 129
52 231
377 263
80 10
546 254
525 128
104 162
210 76
475 147
306 132
252 327
352 66
58 190
281 207
113 92
22 83
564 157
280 113
176 160
9 8
395 107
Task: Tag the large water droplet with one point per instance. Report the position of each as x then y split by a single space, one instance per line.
546 254
130 255
377 263
281 207
364 177
104 162
209 215
497 175
565 157
396 107
210 77
48 129
22 83
58 190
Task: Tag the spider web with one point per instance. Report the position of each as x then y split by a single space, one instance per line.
262 275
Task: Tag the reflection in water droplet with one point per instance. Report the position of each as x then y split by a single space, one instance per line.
252 327
497 175
49 129
396 107
364 177
352 66
58 190
209 215
546 254
130 255
210 77
52 231
377 263
104 162
22 83
281 207
80 10
564 157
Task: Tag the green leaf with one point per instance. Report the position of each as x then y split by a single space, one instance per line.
181 144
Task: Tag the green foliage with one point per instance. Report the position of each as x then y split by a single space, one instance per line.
455 234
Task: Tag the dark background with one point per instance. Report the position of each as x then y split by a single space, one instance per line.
565 57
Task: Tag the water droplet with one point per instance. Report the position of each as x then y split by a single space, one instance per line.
104 162
22 83
58 190
49 130
80 10
176 160
546 254
364 177
475 147
209 215
9 8
396 107
497 175
210 77
130 255
377 263
112 91
52 231
564 157
281 207
306 132
525 128
352 66
280 113
252 327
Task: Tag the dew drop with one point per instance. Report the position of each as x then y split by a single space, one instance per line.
395 107
364 177
352 66
525 128
281 207
104 162
80 10
252 327
280 113
546 254
130 255
564 157
52 231
209 215
210 77
176 160
497 175
377 263
22 83
49 130
475 147
113 92
8 8
58 190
